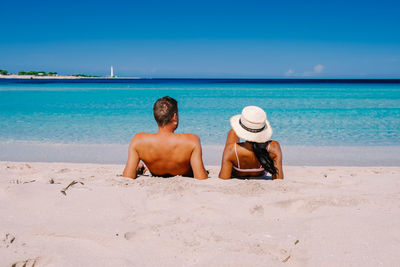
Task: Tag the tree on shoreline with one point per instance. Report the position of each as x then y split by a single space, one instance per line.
33 73
43 73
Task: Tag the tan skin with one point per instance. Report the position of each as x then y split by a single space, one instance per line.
166 153
248 159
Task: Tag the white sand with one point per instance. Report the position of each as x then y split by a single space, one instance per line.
341 216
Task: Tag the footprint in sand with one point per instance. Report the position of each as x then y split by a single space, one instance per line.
310 205
8 240
12 167
129 235
63 170
21 182
36 262
257 209
145 233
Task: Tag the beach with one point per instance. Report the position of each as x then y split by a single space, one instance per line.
63 145
70 214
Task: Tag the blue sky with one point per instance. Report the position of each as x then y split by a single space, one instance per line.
254 39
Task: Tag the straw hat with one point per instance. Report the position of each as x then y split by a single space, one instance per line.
252 125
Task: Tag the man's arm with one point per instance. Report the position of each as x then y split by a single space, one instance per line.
132 163
196 161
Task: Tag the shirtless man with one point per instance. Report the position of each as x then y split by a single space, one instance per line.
165 153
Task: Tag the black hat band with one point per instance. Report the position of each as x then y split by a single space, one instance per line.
251 130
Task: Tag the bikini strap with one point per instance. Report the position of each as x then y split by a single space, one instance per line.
237 158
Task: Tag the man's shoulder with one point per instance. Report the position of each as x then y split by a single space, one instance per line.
140 137
190 137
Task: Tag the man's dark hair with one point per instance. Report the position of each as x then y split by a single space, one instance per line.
164 110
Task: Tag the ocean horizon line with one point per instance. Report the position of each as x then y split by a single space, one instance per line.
198 80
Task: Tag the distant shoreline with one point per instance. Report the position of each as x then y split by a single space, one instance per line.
70 78
58 77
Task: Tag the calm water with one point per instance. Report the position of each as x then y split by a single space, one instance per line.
110 113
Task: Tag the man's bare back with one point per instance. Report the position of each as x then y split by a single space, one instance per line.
166 153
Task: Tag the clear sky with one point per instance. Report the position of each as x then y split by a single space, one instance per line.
254 39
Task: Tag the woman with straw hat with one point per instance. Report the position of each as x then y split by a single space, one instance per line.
258 155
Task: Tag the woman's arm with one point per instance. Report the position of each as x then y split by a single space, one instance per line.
276 154
226 164
231 138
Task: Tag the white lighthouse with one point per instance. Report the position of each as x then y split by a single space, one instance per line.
112 72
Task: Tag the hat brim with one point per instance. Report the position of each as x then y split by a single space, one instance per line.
260 137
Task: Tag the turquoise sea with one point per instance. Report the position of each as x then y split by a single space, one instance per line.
104 112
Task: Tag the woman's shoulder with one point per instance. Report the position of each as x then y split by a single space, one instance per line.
274 147
229 153
273 143
230 148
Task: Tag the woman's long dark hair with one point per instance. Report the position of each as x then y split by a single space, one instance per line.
260 150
